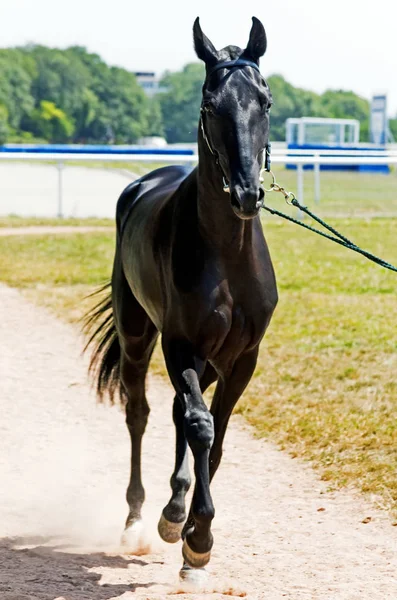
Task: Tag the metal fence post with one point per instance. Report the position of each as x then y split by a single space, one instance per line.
299 187
60 167
317 189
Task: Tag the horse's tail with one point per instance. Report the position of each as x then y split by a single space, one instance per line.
105 359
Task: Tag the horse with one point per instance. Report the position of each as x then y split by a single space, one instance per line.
191 263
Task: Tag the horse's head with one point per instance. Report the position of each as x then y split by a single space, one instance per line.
235 115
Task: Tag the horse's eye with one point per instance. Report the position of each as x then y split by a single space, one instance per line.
208 109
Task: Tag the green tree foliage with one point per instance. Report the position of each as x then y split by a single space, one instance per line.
16 75
72 95
155 118
180 104
393 128
3 124
50 122
341 104
295 102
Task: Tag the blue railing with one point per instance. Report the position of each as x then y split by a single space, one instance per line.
95 149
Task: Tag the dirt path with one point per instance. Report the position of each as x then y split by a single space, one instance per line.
63 472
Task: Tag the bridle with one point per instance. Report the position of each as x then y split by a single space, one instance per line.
231 64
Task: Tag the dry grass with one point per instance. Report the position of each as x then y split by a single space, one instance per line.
16 221
326 384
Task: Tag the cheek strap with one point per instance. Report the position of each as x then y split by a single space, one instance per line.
268 158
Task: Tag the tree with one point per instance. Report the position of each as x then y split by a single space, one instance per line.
393 128
15 87
3 124
73 95
50 122
154 118
341 104
289 101
180 104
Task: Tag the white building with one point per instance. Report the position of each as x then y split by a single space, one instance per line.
149 81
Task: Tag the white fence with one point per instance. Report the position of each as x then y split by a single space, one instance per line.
300 158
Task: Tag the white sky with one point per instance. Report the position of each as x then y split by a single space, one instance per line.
316 44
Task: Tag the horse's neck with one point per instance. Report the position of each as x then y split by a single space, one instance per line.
217 221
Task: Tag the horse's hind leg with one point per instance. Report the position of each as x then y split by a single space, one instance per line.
174 514
132 375
137 336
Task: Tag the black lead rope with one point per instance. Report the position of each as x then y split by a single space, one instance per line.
339 239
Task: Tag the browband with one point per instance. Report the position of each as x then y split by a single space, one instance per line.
231 64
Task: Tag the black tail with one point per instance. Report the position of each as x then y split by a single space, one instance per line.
105 360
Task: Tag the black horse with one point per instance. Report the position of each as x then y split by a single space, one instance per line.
191 263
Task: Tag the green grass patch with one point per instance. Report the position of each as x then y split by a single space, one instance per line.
56 260
343 193
326 384
17 221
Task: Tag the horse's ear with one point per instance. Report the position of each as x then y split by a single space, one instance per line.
203 46
257 42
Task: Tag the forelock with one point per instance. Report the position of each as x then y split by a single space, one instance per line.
230 53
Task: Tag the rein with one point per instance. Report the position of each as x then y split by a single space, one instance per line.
338 239
290 198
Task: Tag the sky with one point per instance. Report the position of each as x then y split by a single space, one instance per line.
315 44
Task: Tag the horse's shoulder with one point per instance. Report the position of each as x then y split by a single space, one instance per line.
157 185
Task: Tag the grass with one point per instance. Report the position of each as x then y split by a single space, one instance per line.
17 221
343 194
326 384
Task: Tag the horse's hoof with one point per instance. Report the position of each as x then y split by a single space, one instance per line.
134 539
194 559
193 577
168 531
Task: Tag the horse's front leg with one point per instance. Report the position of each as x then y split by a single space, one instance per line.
185 370
173 516
228 390
227 393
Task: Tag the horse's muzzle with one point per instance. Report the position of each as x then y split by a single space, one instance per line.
246 202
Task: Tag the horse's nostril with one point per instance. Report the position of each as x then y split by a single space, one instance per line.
261 196
235 201
246 202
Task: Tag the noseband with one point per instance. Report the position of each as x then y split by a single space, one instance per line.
231 64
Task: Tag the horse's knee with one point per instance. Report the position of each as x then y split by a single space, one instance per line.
181 481
199 429
137 408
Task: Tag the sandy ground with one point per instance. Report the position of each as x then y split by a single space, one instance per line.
32 190
63 472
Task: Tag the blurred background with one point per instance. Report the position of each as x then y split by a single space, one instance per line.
85 78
